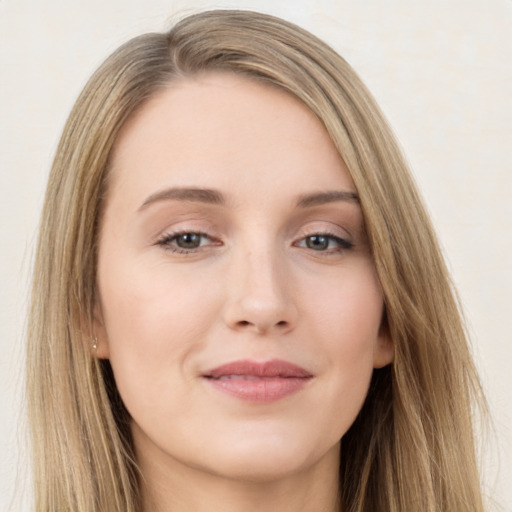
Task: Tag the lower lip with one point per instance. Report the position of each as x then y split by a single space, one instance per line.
263 390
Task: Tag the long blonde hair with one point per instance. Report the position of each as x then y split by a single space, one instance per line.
411 447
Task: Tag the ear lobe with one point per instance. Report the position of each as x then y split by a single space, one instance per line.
99 342
384 352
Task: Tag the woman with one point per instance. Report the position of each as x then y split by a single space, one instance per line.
239 302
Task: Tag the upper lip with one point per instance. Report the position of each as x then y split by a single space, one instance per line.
273 368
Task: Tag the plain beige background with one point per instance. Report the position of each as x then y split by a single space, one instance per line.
439 68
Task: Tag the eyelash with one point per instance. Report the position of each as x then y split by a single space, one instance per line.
342 243
168 239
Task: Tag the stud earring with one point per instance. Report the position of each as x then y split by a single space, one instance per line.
95 343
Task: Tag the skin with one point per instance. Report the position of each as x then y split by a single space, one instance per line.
259 286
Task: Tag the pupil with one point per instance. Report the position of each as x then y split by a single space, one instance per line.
317 243
189 241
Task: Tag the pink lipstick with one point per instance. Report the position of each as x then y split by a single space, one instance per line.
258 382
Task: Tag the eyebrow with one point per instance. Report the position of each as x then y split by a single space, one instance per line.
201 195
210 196
317 199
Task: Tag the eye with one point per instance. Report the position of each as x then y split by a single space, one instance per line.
324 242
189 240
185 242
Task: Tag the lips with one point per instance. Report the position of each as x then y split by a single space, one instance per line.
258 382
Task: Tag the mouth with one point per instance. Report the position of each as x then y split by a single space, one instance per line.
258 382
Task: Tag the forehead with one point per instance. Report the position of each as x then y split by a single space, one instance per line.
223 130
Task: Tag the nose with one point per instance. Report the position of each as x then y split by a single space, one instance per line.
260 297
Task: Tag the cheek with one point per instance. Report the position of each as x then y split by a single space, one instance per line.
153 322
346 313
347 309
145 305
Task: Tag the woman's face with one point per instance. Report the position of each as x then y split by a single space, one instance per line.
238 300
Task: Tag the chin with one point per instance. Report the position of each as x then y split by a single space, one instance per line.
260 469
266 459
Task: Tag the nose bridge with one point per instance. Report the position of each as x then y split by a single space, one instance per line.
259 269
259 297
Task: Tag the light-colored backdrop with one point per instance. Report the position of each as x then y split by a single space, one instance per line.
441 71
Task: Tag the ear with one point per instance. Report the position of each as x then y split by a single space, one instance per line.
99 341
384 352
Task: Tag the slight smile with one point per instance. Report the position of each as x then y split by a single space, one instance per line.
261 382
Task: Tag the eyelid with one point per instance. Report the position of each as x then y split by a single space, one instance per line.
166 238
336 233
325 228
343 243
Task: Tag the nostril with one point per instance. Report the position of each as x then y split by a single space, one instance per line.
246 323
